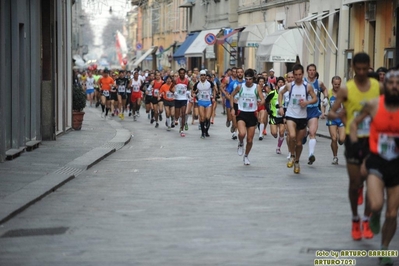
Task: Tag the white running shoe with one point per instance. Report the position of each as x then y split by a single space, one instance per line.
246 160
240 149
335 160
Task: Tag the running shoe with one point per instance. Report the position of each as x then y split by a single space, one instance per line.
232 129
289 156
207 134
290 162
97 104
182 134
335 160
168 129
202 136
367 233
223 113
240 149
297 168
356 232
138 113
152 121
227 123
122 116
212 121
360 196
260 138
375 225
156 125
386 261
173 125
312 158
130 113
234 136
102 114
264 133
186 127
113 114
278 151
134 117
246 160
160 117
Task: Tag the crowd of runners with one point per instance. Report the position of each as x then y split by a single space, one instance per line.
362 114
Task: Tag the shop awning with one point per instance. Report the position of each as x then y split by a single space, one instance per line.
253 35
281 46
223 39
179 54
152 50
198 46
313 24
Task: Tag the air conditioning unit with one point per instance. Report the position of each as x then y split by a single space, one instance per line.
371 12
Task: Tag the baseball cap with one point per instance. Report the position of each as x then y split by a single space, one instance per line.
271 70
202 72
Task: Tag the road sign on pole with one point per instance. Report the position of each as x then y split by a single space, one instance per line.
139 46
210 38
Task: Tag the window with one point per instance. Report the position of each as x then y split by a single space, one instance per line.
389 56
348 64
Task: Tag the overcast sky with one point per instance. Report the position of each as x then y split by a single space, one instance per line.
98 11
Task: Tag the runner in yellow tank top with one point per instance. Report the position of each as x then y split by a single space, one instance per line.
353 96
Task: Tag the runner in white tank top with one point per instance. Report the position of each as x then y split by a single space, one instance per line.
296 113
248 96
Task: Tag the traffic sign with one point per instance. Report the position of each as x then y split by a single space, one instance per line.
210 38
139 46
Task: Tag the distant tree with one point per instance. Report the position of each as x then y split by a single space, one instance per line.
108 36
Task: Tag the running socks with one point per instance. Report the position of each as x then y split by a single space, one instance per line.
280 141
261 128
312 145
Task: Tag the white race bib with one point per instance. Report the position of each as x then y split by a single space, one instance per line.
106 93
363 128
387 148
248 104
204 96
136 88
121 88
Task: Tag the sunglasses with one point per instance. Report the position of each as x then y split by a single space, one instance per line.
248 78
203 75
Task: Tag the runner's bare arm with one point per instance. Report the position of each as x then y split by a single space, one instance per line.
312 94
341 98
236 90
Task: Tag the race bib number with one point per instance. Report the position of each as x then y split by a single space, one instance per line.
169 94
204 96
136 88
89 84
363 128
121 88
181 91
296 100
106 93
248 104
156 92
387 148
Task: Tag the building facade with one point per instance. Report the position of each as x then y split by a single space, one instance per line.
36 71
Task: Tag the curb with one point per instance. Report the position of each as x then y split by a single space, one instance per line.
37 190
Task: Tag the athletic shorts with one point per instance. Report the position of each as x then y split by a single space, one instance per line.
235 106
89 91
355 156
123 95
114 96
205 104
336 122
301 123
249 118
180 103
135 96
148 99
313 112
261 107
106 94
276 120
154 100
169 103
388 171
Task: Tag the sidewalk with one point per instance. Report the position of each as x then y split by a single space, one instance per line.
34 174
